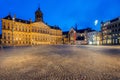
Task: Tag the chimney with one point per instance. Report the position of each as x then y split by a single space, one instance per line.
76 27
30 20
14 17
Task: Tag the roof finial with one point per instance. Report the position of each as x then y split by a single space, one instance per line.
76 27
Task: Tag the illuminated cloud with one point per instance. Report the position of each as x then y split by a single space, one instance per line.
96 22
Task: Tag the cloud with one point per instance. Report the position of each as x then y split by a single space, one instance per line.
96 22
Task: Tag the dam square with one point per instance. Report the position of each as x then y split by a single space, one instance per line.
60 40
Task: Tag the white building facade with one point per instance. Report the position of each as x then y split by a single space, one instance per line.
93 38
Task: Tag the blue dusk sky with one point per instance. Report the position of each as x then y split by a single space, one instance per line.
65 13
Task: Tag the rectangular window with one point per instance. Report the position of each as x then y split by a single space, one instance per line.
119 24
8 26
3 25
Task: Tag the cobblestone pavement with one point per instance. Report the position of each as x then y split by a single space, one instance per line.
63 62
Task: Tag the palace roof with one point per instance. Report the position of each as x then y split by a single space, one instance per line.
55 27
17 19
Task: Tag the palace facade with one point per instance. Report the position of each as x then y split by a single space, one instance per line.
18 32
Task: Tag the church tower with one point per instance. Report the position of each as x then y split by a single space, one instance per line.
38 15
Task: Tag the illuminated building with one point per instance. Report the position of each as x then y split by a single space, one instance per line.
99 38
65 37
111 32
78 36
18 32
91 37
72 36
94 38
0 39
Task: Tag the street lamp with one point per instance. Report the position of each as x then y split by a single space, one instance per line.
13 31
0 38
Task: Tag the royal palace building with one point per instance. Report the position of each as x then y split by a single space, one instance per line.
18 32
111 32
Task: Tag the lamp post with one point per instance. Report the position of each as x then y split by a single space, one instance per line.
1 36
13 32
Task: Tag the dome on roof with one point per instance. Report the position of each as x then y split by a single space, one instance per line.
38 11
38 15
